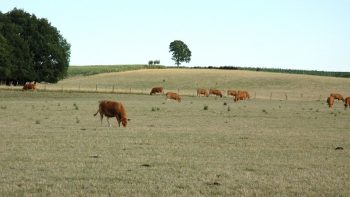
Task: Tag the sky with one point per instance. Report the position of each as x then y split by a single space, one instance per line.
291 34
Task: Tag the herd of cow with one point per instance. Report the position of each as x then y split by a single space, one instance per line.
337 96
237 95
117 109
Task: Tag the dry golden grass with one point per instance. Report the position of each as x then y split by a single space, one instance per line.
186 81
51 145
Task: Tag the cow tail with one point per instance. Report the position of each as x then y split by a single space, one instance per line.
96 112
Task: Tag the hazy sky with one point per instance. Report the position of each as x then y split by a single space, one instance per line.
299 34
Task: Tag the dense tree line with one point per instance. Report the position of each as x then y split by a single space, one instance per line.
31 49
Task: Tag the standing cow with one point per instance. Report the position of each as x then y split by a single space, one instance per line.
215 92
337 96
347 102
231 93
201 91
112 109
173 95
241 95
29 86
156 90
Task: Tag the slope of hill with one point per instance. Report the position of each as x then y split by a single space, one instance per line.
261 84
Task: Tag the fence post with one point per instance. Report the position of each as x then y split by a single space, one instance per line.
113 88
286 96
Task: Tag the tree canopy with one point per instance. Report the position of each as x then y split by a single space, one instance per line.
180 52
31 49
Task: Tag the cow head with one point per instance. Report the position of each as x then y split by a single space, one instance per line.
124 121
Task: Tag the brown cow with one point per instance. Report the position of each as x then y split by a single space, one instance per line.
29 86
215 92
231 93
241 95
201 91
330 101
156 90
347 102
337 96
112 109
173 95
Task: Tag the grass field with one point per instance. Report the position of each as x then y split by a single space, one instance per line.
261 85
97 69
51 145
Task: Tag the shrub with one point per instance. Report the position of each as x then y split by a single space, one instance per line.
155 108
205 107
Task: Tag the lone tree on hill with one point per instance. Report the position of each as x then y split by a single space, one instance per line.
31 49
180 52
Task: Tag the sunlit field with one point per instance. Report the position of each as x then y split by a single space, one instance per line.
52 145
262 85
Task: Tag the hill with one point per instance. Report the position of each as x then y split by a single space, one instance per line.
260 84
97 69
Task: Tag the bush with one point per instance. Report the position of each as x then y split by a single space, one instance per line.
205 107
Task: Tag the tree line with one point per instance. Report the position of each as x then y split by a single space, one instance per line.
281 70
31 49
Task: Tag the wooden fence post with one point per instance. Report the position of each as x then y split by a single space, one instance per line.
286 96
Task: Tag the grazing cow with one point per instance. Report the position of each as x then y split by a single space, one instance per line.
231 93
215 92
330 101
112 109
173 95
29 86
201 91
347 102
337 96
241 95
156 90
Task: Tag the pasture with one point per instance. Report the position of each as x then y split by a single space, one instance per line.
52 145
261 85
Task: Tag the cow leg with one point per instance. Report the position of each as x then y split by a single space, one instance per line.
109 124
119 118
101 118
